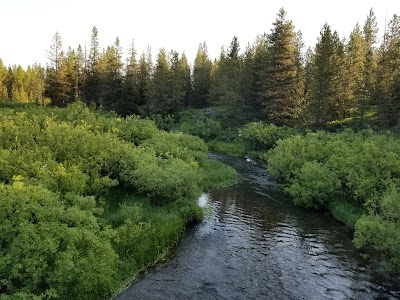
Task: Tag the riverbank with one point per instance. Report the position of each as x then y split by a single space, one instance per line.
151 233
90 198
255 244
352 175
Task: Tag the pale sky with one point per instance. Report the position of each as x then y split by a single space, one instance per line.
27 26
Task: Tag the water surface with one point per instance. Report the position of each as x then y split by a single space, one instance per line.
257 245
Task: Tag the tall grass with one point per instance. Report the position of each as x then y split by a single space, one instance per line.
147 233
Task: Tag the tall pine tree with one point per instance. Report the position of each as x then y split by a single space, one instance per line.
388 75
327 87
201 78
282 93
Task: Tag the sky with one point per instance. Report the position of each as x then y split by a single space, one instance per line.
27 26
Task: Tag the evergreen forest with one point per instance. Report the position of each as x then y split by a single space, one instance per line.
102 157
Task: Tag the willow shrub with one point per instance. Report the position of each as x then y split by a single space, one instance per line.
49 246
355 175
263 136
58 239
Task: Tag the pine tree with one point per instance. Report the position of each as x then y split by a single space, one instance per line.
158 96
327 86
72 76
247 84
58 79
3 77
178 81
54 54
131 84
370 32
144 78
226 89
283 89
18 82
185 76
34 83
80 67
388 75
112 77
354 71
201 78
92 84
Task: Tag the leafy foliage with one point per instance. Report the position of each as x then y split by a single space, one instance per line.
355 175
262 136
59 238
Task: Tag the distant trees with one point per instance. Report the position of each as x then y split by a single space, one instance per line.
271 79
3 76
19 85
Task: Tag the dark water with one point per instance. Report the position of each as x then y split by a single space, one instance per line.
257 245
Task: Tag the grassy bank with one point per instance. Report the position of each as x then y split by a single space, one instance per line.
88 199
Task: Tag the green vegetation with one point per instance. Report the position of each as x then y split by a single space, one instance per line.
57 166
89 199
355 176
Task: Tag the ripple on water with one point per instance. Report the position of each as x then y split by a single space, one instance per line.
255 244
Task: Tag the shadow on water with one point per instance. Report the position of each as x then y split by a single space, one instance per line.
257 245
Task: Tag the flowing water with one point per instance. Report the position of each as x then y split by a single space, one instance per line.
257 245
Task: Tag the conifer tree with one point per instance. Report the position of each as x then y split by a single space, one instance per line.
158 97
226 89
3 76
283 89
326 91
131 89
201 77
247 83
144 78
18 90
185 76
56 73
370 31
112 77
354 71
178 80
54 54
80 67
388 75
34 83
93 80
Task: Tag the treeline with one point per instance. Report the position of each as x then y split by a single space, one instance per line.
272 80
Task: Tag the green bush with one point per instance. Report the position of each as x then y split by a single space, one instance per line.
199 122
354 175
314 185
48 246
59 235
262 136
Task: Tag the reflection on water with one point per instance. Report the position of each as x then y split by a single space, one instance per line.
257 245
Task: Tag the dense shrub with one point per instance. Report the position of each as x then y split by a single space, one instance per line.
61 235
48 245
314 185
354 175
262 136
199 122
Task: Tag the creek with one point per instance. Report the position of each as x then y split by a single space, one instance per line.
255 244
